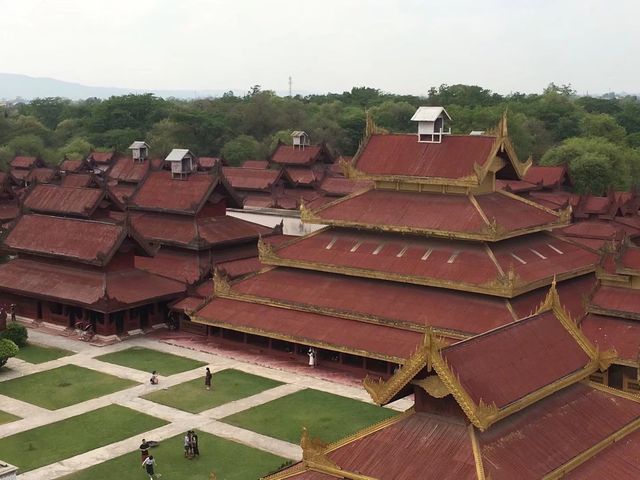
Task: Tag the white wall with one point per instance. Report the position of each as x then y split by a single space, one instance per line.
270 217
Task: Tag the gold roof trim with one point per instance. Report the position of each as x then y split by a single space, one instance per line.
295 339
477 454
507 286
334 312
589 453
482 415
433 386
383 391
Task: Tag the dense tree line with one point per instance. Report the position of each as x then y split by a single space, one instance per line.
599 138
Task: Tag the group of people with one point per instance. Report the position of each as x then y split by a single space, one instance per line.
191 445
207 378
148 462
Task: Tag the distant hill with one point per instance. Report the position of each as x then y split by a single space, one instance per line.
14 86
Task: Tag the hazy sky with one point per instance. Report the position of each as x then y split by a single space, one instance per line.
325 45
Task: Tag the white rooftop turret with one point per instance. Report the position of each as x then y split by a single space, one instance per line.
139 150
300 139
431 124
182 162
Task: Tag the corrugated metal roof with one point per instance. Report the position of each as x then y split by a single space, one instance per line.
81 240
506 364
449 214
251 178
64 200
401 154
290 155
546 176
24 162
80 285
126 169
535 441
613 332
421 306
138 144
621 301
183 266
310 328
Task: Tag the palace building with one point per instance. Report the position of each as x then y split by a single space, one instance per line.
431 244
513 402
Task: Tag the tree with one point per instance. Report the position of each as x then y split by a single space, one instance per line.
8 349
76 149
241 148
602 125
591 173
623 162
30 145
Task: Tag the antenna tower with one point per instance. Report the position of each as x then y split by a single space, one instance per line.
289 86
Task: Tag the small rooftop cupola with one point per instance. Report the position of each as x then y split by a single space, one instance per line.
139 151
432 124
300 139
182 162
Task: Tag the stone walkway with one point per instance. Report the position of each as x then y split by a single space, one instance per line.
179 421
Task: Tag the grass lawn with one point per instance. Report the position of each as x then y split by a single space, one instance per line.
33 353
228 460
62 386
73 436
326 416
149 360
227 385
7 417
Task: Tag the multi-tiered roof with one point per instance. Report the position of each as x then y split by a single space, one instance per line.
433 244
513 402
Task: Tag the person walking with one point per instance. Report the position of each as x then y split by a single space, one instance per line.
144 450
148 464
188 453
207 379
194 444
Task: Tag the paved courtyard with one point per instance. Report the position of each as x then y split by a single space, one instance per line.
291 378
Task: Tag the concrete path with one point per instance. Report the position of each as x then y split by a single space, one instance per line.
179 421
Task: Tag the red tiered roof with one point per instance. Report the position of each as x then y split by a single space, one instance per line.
401 154
86 286
446 263
614 333
506 364
546 435
288 155
101 157
255 164
126 169
371 340
207 163
630 260
122 191
347 296
160 192
41 175
438 214
195 233
304 176
546 176
251 178
184 266
340 186
72 166
80 240
419 446
64 200
78 180
242 266
615 462
24 162
623 302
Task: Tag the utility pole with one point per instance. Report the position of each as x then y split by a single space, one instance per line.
289 86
